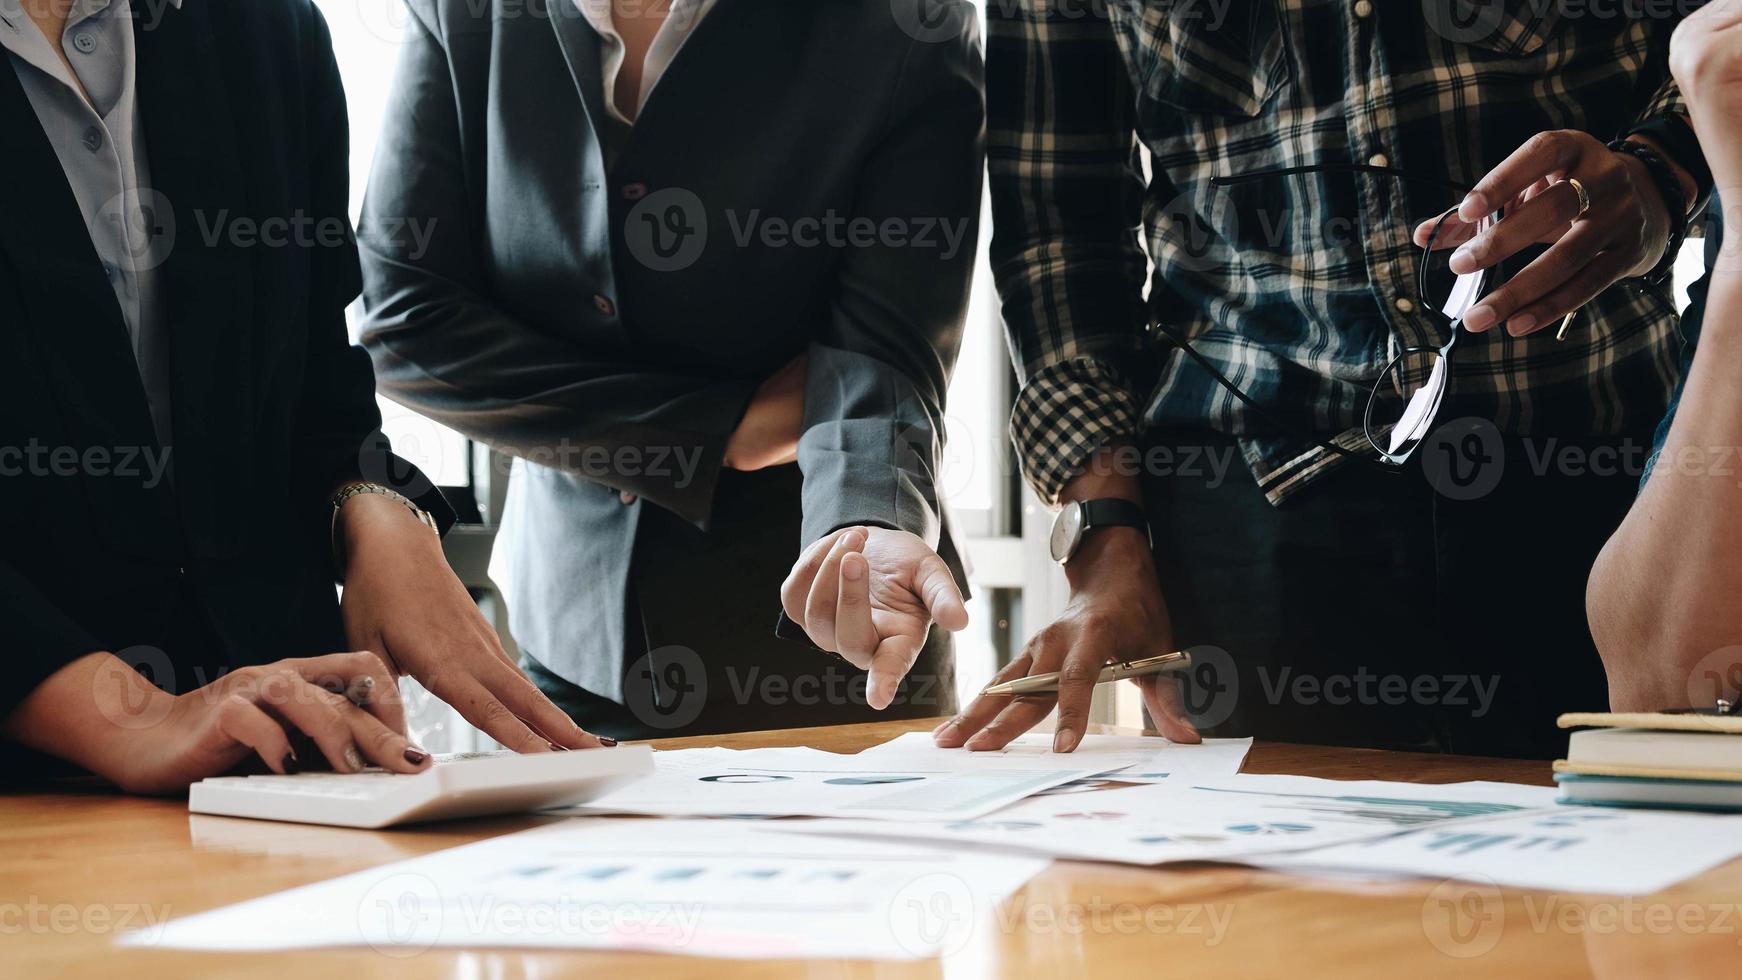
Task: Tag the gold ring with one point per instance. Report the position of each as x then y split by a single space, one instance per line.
1584 196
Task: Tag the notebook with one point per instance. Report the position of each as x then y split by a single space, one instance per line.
1658 794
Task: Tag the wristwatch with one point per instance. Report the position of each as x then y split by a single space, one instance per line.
356 489
1079 517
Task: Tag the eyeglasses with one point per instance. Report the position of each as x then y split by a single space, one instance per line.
1407 396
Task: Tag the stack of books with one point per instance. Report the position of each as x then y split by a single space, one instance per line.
1660 761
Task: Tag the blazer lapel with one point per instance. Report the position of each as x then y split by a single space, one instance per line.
72 307
580 46
191 143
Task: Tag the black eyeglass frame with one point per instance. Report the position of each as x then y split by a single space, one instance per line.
1387 460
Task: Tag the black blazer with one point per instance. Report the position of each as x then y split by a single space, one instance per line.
244 120
599 314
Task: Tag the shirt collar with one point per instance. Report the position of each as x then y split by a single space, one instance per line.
12 13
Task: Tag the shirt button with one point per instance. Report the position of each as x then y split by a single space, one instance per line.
1363 9
85 41
1405 305
93 139
634 192
603 304
1379 160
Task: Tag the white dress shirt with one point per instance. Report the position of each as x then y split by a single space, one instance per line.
680 22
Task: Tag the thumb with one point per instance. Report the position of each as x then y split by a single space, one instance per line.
936 586
1161 697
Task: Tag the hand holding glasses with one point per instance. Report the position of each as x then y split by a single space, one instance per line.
1407 396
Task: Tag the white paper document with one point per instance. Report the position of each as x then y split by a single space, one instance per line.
1607 851
1126 758
1230 819
703 888
809 782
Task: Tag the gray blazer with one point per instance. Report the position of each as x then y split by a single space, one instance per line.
805 177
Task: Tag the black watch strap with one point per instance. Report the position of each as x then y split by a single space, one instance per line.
1113 512
1675 134
1670 189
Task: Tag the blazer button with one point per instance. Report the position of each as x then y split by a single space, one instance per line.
603 304
634 192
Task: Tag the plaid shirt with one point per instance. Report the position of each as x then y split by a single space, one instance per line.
1301 289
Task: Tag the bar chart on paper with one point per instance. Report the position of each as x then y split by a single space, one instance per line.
1226 819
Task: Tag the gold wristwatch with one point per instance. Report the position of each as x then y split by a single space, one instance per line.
350 490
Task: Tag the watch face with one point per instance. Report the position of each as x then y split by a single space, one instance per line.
1067 530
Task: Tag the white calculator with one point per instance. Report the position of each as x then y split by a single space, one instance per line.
471 784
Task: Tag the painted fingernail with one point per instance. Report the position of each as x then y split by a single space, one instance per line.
415 757
1521 324
607 742
1480 318
353 758
1065 740
288 765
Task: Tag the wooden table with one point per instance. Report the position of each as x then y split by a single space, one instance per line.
74 866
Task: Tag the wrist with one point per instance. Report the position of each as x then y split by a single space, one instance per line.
1105 476
1661 193
1690 187
368 519
1111 554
